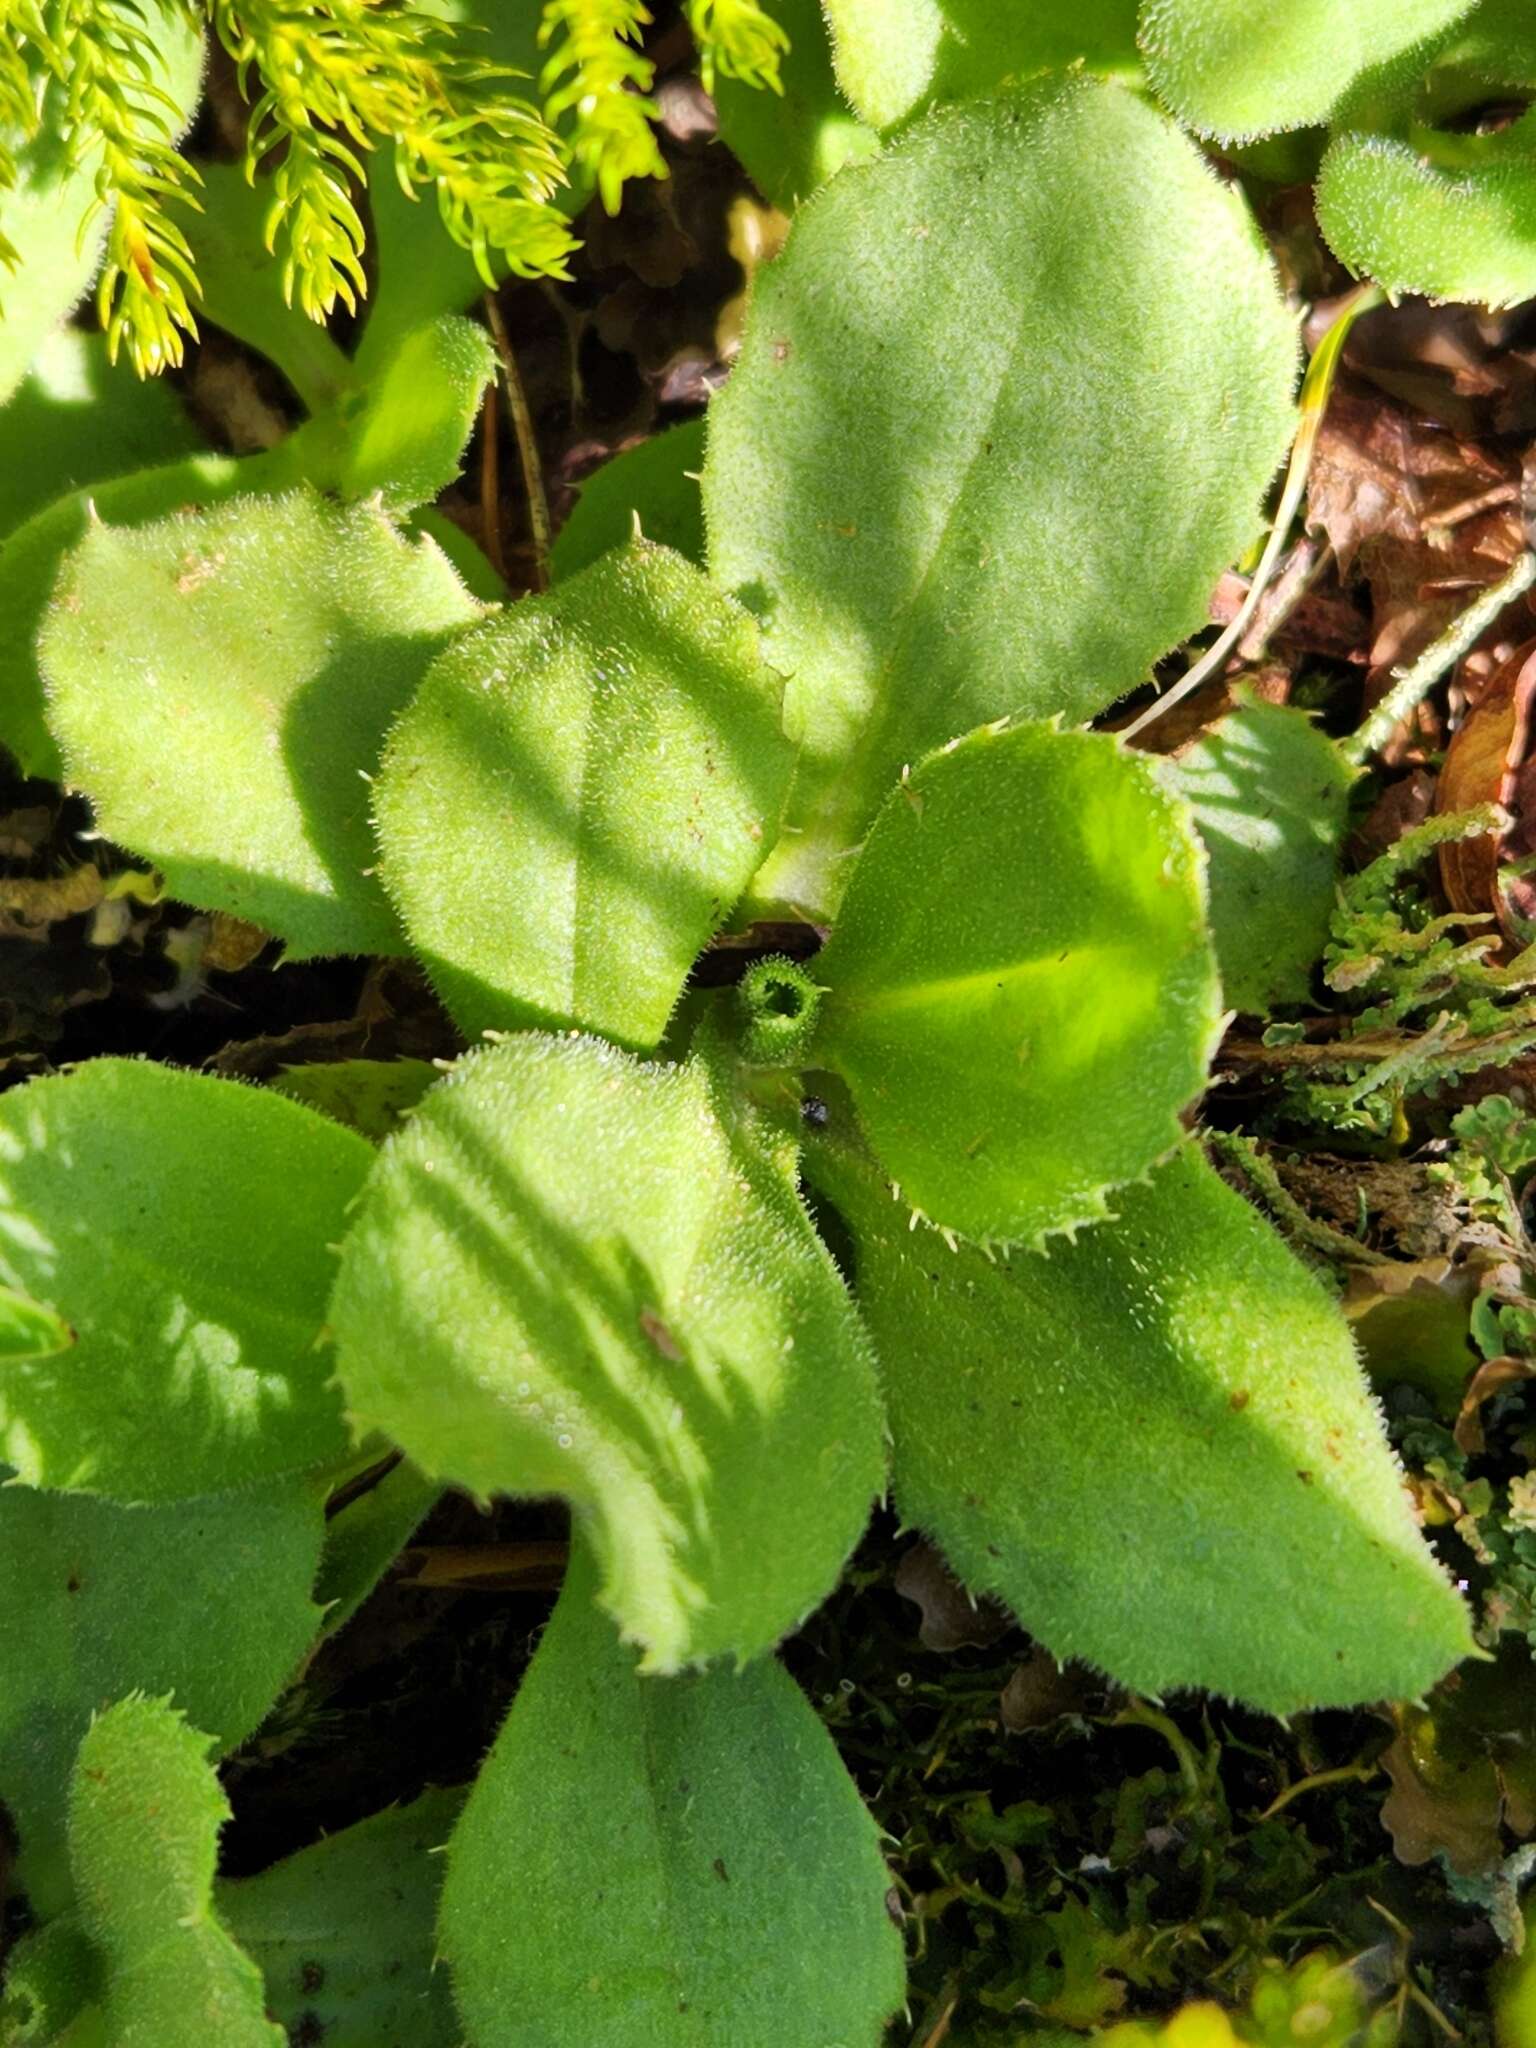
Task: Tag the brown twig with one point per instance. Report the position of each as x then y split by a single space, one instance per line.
527 444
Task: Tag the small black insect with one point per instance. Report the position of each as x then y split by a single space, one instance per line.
814 1112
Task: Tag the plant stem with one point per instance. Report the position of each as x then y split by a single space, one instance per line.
1413 684
1315 388
527 444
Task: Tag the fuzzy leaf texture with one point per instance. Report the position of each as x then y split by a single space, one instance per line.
144 1821
1155 1445
344 1932
578 795
933 548
1021 994
1270 795
664 1863
792 141
1237 73
221 682
207 1600
573 1273
1411 192
894 57
179 1225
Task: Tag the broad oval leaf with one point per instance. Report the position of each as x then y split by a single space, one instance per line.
145 1813
345 1932
208 1600
1413 193
925 474
1021 994
1270 796
1236 72
643 1859
1155 1445
576 1274
221 683
182 1227
895 56
578 795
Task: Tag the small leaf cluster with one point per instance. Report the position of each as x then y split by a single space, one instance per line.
914 1207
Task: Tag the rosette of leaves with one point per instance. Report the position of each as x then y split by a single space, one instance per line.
585 1263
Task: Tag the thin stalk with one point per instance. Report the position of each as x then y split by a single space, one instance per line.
527 444
1315 387
1412 685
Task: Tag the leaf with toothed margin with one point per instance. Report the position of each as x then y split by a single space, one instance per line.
578 795
640 1855
221 683
1154 1444
572 1273
1029 535
145 1812
1021 994
209 1600
180 1226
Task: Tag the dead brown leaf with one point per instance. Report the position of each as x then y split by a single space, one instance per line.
951 1618
1486 764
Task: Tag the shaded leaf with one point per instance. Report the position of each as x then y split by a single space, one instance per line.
639 1857
929 552
1020 992
951 1618
1229 72
207 1600
371 1097
1177 1494
1410 1320
76 418
363 1539
181 1226
656 482
51 1975
575 1274
344 1932
256 652
578 795
1270 795
144 1820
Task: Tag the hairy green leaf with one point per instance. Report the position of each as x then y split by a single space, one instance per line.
208 1600
578 795
1155 1445
791 142
44 215
1415 193
896 56
406 437
1229 70
573 1273
221 683
181 1226
344 1932
1270 795
656 482
941 472
1021 994
145 1812
676 1860
76 417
